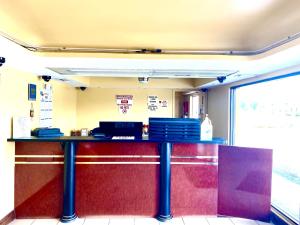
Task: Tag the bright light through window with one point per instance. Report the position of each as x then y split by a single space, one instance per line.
194 106
267 115
251 6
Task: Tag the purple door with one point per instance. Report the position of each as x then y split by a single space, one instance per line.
244 188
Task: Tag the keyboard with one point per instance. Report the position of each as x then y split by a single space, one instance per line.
123 138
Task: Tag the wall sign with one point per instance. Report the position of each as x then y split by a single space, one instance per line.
152 102
163 103
124 103
31 92
46 106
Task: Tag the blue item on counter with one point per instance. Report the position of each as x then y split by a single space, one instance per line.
47 132
174 129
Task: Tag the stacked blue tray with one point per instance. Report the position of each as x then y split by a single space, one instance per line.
174 129
47 132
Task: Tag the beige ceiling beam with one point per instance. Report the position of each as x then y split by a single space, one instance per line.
155 51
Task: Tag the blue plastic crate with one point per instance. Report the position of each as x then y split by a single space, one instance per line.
174 129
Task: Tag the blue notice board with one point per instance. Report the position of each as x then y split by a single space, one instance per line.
31 92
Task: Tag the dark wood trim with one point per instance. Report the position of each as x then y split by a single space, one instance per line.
8 218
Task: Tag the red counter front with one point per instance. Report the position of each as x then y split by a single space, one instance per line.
115 179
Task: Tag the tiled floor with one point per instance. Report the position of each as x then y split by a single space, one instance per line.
188 220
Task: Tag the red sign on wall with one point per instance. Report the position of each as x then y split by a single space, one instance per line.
124 103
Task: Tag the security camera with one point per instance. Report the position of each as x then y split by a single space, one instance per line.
221 79
82 88
2 61
157 50
143 80
46 78
145 50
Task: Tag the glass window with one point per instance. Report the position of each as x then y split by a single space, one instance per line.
267 114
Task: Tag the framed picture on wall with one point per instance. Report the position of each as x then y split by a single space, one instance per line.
31 92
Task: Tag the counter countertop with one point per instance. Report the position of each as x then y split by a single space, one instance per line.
95 139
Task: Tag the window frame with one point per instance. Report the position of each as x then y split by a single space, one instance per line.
275 212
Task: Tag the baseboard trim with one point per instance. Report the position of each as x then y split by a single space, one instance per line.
8 218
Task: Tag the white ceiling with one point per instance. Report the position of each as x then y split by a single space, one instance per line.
237 69
156 24
184 25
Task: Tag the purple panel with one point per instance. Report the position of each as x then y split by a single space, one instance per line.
245 182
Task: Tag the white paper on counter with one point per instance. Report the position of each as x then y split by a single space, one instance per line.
21 127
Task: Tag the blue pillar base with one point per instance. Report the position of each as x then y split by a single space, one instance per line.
68 213
163 218
67 219
164 213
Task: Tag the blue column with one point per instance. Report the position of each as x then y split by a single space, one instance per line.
165 150
69 182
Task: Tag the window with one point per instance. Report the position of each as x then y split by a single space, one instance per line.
267 114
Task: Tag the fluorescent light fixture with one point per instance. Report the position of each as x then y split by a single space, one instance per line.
191 93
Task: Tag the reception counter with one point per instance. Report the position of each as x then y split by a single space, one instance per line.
133 177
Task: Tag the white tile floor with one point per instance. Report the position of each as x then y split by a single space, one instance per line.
187 220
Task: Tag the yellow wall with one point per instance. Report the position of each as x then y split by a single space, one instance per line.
64 107
13 102
71 109
132 82
95 104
